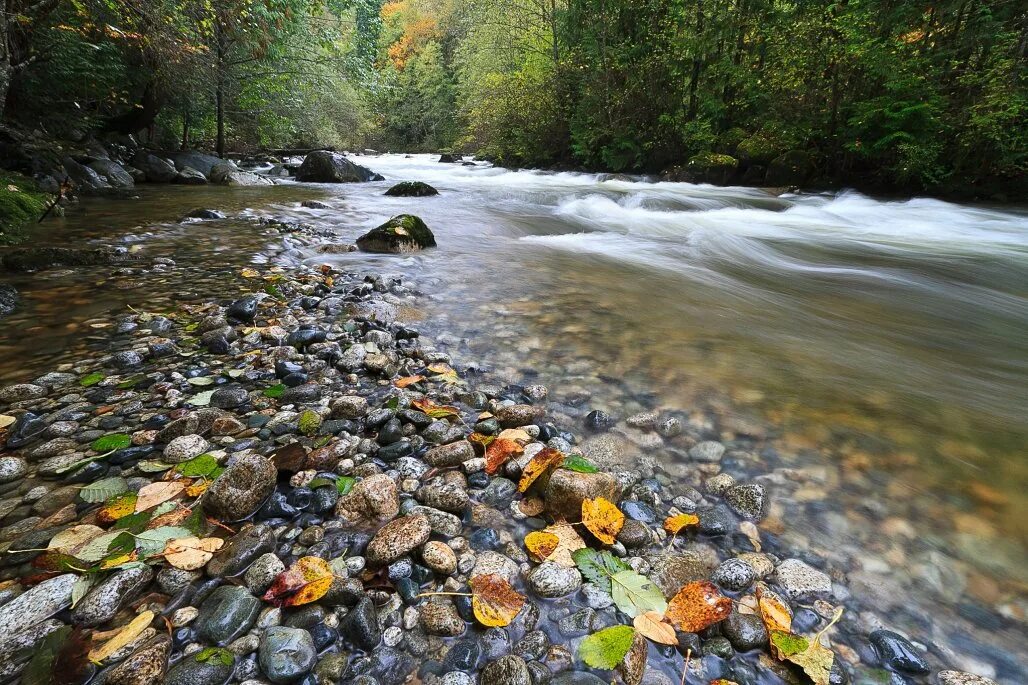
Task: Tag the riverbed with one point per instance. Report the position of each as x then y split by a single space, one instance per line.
877 349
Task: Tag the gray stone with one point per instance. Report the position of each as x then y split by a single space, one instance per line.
322 166
490 562
515 415
241 550
439 557
374 497
12 468
108 597
185 448
286 654
453 454
262 572
553 580
189 671
744 631
450 497
709 451
397 538
441 618
441 523
227 613
241 489
145 666
671 572
35 605
734 574
21 392
798 579
747 500
229 397
156 169
962 678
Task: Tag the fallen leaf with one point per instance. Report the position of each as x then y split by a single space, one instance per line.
117 507
774 611
749 529
546 459
603 519
813 657
636 594
304 582
124 637
494 601
568 542
197 488
599 566
436 411
247 272
72 539
516 434
192 552
151 495
674 524
480 439
651 625
499 452
605 649
103 489
698 605
408 380
577 462
155 540
109 443
541 544
6 420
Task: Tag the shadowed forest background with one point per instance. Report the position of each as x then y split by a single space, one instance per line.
882 94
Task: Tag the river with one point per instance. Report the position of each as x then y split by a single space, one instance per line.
877 349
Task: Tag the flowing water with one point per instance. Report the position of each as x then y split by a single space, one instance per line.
878 350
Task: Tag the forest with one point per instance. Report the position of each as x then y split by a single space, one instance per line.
887 95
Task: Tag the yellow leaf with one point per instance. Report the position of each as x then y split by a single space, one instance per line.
191 553
249 273
651 625
436 411
515 434
775 613
546 459
439 367
493 600
674 524
603 519
197 487
541 544
151 495
117 507
304 582
408 380
124 637
568 541
111 562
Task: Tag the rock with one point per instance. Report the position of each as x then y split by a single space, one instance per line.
286 654
607 450
441 522
262 572
708 452
314 204
40 258
12 468
36 604
188 176
185 448
411 189
113 173
439 557
372 497
633 665
733 574
241 550
441 618
451 497
360 625
516 415
8 299
634 534
671 572
747 500
962 678
228 175
450 158
205 214
86 179
744 631
401 234
797 579
154 168
397 538
322 166
552 580
243 310
21 392
577 678
489 562
189 671
241 489
452 454
191 159
789 169
227 613
229 397
145 666
507 670
108 597
566 490
897 653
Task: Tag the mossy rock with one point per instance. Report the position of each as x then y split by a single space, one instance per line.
729 140
21 202
411 189
760 148
401 234
792 168
713 167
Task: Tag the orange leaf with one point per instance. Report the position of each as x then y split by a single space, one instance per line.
493 600
483 440
675 524
499 453
541 544
603 519
651 625
698 605
198 487
546 459
408 380
774 612
304 582
436 411
156 493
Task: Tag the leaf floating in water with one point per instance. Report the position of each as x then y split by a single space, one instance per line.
304 582
344 484
775 613
698 605
198 467
215 655
201 399
674 524
568 542
607 648
408 380
636 594
603 519
651 625
494 602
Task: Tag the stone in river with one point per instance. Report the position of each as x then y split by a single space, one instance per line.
566 490
747 500
36 604
241 550
226 614
962 678
897 653
241 489
372 497
360 625
744 631
189 671
322 166
798 579
508 670
708 451
229 397
441 618
401 234
411 189
577 678
286 654
734 575
552 580
515 415
145 666
243 310
185 448
12 468
105 599
452 454
21 392
397 538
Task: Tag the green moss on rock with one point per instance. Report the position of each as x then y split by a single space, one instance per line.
21 202
402 233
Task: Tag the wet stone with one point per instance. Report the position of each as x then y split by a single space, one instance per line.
185 448
241 489
897 653
798 579
508 670
744 631
226 614
189 671
708 452
734 575
105 600
747 500
398 538
441 618
553 580
962 678
286 654
229 397
146 666
12 468
241 550
36 604
262 572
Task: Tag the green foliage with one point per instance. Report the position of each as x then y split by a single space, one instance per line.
21 202
109 443
606 648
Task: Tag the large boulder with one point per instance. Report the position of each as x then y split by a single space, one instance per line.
39 258
86 179
450 158
157 170
190 177
113 173
401 234
713 167
322 166
792 168
411 189
204 163
227 174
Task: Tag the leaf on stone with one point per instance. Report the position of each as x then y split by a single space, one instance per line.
304 582
774 611
598 566
577 462
55 561
191 553
91 379
546 459
518 435
436 411
117 507
698 605
636 594
198 467
153 541
481 439
675 524
82 585
494 601
124 637
813 657
603 519
344 484
215 655
151 495
275 391
109 443
309 422
74 538
605 649
7 420
651 625
568 542
201 399
408 380
103 489
499 452
541 544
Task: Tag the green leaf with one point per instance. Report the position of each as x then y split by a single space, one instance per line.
636 594
109 443
344 484
82 586
392 403
196 522
272 290
607 648
322 441
40 669
215 655
131 382
152 466
201 399
320 482
91 379
579 463
198 467
103 489
151 542
309 422
275 391
133 523
598 566
99 547
789 643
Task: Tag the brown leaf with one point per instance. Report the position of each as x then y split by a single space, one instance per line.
493 600
191 553
546 459
603 519
408 380
516 434
304 582
151 495
651 625
124 637
499 452
697 605
675 524
436 411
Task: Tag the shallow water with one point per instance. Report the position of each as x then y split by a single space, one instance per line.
878 349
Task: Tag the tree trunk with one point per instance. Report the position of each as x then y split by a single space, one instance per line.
5 59
219 95
697 65
185 130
